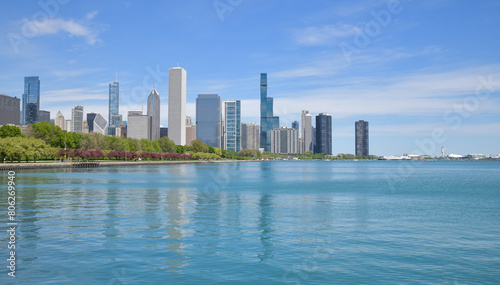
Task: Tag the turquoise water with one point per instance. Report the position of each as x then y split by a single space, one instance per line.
380 222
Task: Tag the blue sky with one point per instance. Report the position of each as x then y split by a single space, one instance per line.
423 73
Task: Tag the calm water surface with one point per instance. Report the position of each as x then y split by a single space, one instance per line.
380 222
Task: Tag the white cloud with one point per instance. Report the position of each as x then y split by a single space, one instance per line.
91 15
328 34
56 25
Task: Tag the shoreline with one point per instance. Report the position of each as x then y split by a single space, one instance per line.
47 165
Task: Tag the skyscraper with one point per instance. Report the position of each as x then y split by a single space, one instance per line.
10 110
43 116
295 125
284 140
137 125
114 108
306 132
31 100
154 114
59 121
208 119
98 123
232 123
323 134
77 119
362 147
250 136
267 120
90 121
177 105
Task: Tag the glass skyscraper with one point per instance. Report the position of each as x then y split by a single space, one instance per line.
114 120
31 100
267 120
323 134
154 114
361 129
208 119
232 121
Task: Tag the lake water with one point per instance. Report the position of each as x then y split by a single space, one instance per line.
379 222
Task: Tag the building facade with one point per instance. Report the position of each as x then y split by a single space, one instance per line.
295 125
232 125
114 120
137 125
177 77
209 119
90 122
163 132
99 124
31 100
306 132
250 136
267 120
285 140
362 138
43 116
59 121
10 110
77 119
154 114
323 134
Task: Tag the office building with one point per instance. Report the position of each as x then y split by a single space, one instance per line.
31 100
90 121
67 125
284 140
209 119
190 134
137 125
85 127
99 124
77 119
295 125
123 129
306 132
267 120
232 125
177 105
43 116
10 110
362 147
154 114
323 134
163 132
59 121
114 120
250 136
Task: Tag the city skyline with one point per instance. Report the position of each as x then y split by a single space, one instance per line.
415 76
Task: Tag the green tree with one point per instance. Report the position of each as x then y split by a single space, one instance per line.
10 131
199 146
50 133
166 145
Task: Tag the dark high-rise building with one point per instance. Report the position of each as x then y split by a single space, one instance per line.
362 146
114 118
10 110
295 125
208 119
31 100
154 114
163 132
43 116
323 134
267 120
90 121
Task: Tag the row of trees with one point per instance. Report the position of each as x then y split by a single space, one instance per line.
22 148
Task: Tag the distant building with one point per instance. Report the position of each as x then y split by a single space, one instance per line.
77 119
208 119
362 138
85 127
67 125
114 108
190 134
59 121
295 125
306 132
285 140
267 120
90 121
177 105
123 128
232 125
43 116
323 134
31 100
10 110
137 125
99 124
163 132
250 136
154 114
189 123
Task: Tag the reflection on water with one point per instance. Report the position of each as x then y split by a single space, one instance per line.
259 220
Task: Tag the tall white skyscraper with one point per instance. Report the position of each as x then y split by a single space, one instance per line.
154 114
177 105
306 131
77 119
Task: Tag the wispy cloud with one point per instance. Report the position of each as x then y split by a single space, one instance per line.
70 27
328 34
91 15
